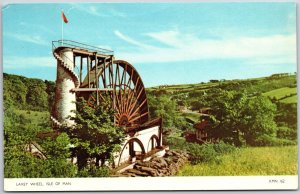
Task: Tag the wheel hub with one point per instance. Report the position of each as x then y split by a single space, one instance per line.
123 120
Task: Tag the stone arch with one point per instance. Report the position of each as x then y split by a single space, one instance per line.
151 141
131 148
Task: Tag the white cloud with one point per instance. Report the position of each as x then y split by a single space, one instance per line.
98 11
170 38
17 62
104 47
273 49
28 38
37 27
131 41
68 11
94 11
117 13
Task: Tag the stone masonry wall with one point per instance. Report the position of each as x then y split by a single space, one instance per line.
158 166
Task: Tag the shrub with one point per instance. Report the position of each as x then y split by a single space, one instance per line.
176 143
60 168
286 133
223 148
21 164
93 171
94 135
201 153
266 140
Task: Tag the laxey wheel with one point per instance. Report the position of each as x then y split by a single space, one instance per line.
123 85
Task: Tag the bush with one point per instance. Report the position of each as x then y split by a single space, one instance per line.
223 148
60 168
201 153
176 143
286 133
21 164
266 140
93 171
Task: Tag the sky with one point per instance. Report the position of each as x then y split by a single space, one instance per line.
167 43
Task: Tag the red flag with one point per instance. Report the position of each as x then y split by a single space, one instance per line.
64 17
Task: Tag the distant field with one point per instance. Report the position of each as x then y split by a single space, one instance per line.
185 87
281 92
262 84
290 100
200 85
249 161
35 117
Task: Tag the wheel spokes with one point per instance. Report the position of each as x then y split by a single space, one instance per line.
127 95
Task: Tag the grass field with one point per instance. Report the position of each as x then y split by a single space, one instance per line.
281 92
186 87
35 117
263 84
249 161
290 100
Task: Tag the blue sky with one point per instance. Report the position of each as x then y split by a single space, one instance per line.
166 43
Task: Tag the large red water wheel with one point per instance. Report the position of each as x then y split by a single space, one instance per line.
125 88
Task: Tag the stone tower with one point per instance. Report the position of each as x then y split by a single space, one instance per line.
66 80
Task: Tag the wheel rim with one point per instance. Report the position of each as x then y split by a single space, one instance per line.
127 94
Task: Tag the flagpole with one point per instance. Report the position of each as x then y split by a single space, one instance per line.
62 31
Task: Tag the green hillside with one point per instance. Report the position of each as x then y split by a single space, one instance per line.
290 100
233 105
27 93
282 86
281 93
35 117
195 96
250 112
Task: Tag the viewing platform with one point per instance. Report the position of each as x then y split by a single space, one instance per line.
81 49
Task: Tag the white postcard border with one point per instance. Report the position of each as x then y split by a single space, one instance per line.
153 183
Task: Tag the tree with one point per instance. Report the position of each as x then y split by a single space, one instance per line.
165 108
14 90
259 115
19 133
162 106
213 80
27 93
94 135
241 119
50 90
226 108
58 152
17 129
287 115
199 103
36 97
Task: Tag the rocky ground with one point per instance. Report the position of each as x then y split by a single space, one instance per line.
158 166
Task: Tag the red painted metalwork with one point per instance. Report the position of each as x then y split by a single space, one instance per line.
126 90
107 78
